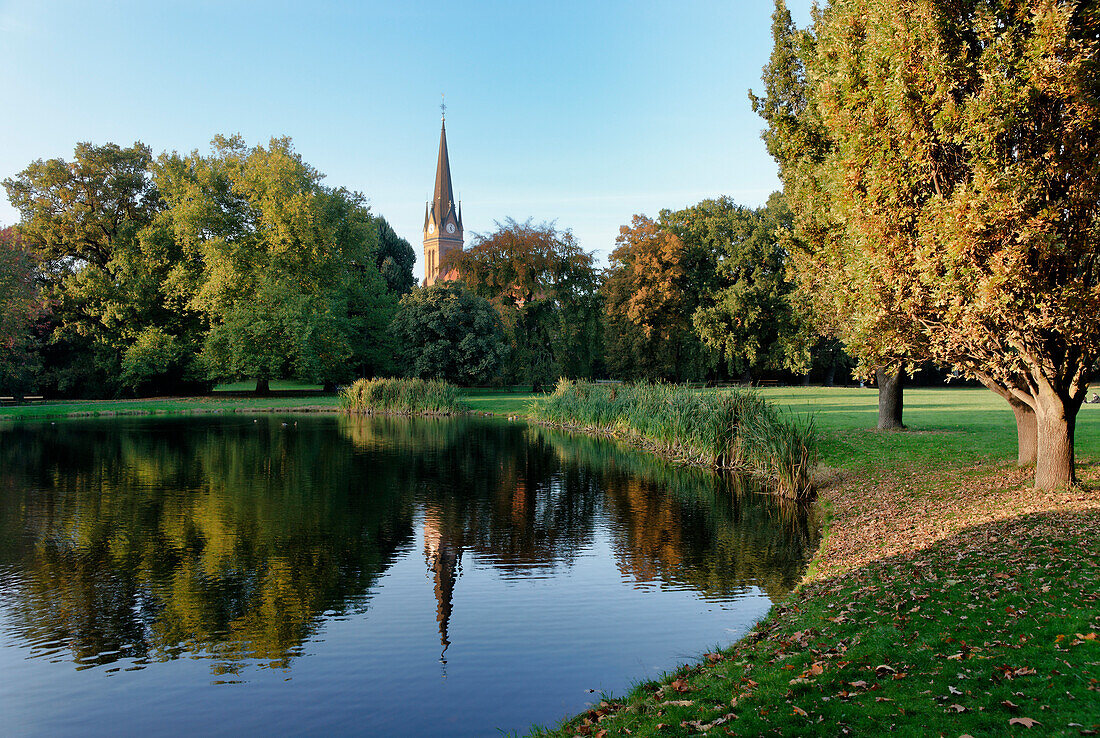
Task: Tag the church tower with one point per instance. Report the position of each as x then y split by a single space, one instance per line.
442 219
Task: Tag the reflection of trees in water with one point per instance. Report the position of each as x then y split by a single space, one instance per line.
197 536
717 533
148 539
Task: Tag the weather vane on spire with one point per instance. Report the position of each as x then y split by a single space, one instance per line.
443 105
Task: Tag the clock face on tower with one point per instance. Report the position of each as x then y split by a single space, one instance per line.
431 228
450 228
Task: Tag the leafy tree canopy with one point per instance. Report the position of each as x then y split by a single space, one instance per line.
748 316
654 285
395 259
448 332
288 278
546 289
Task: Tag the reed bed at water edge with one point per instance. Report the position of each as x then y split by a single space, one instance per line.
732 429
402 397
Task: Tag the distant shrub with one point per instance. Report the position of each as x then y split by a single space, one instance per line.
737 429
403 397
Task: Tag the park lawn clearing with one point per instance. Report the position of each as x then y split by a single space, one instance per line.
948 597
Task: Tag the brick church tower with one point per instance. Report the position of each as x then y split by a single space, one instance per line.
442 219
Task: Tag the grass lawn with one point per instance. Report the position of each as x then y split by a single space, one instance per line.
947 598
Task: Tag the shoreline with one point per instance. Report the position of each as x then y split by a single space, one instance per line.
849 648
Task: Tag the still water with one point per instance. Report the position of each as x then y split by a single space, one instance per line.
234 575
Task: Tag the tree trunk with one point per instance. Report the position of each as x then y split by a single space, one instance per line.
329 387
890 384
806 380
1027 433
1057 420
263 387
830 375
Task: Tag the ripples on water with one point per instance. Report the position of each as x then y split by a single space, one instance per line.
356 575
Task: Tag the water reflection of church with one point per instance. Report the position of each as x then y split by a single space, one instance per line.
444 557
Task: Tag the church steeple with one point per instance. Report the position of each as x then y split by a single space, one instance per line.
442 217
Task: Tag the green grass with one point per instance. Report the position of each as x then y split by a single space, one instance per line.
168 406
956 426
500 402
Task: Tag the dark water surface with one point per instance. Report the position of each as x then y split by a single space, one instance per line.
236 575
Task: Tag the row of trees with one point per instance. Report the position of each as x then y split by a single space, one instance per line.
133 274
700 293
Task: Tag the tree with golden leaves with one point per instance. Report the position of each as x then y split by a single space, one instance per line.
943 158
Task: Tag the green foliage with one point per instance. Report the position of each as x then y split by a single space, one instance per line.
154 356
447 332
403 397
395 259
19 310
288 278
730 430
108 262
545 288
749 316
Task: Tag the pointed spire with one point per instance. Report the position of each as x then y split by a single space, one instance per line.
443 201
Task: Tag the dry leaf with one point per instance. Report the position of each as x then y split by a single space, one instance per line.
1024 721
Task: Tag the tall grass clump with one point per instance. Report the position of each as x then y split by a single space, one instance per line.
403 397
735 429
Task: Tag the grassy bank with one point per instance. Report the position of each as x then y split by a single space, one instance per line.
481 401
947 598
403 397
736 429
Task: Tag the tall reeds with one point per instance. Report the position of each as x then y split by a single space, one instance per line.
732 429
403 397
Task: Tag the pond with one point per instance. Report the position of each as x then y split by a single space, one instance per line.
231 574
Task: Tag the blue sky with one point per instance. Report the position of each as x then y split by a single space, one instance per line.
580 112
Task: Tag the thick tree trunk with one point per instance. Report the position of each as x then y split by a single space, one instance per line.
1056 422
806 380
890 384
830 375
263 387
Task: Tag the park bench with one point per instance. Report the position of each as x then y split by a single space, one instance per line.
768 383
28 399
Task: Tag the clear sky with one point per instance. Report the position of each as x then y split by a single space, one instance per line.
580 112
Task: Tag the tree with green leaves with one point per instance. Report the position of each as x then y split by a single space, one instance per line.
942 159
395 259
108 265
447 332
748 317
285 269
545 288
20 308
